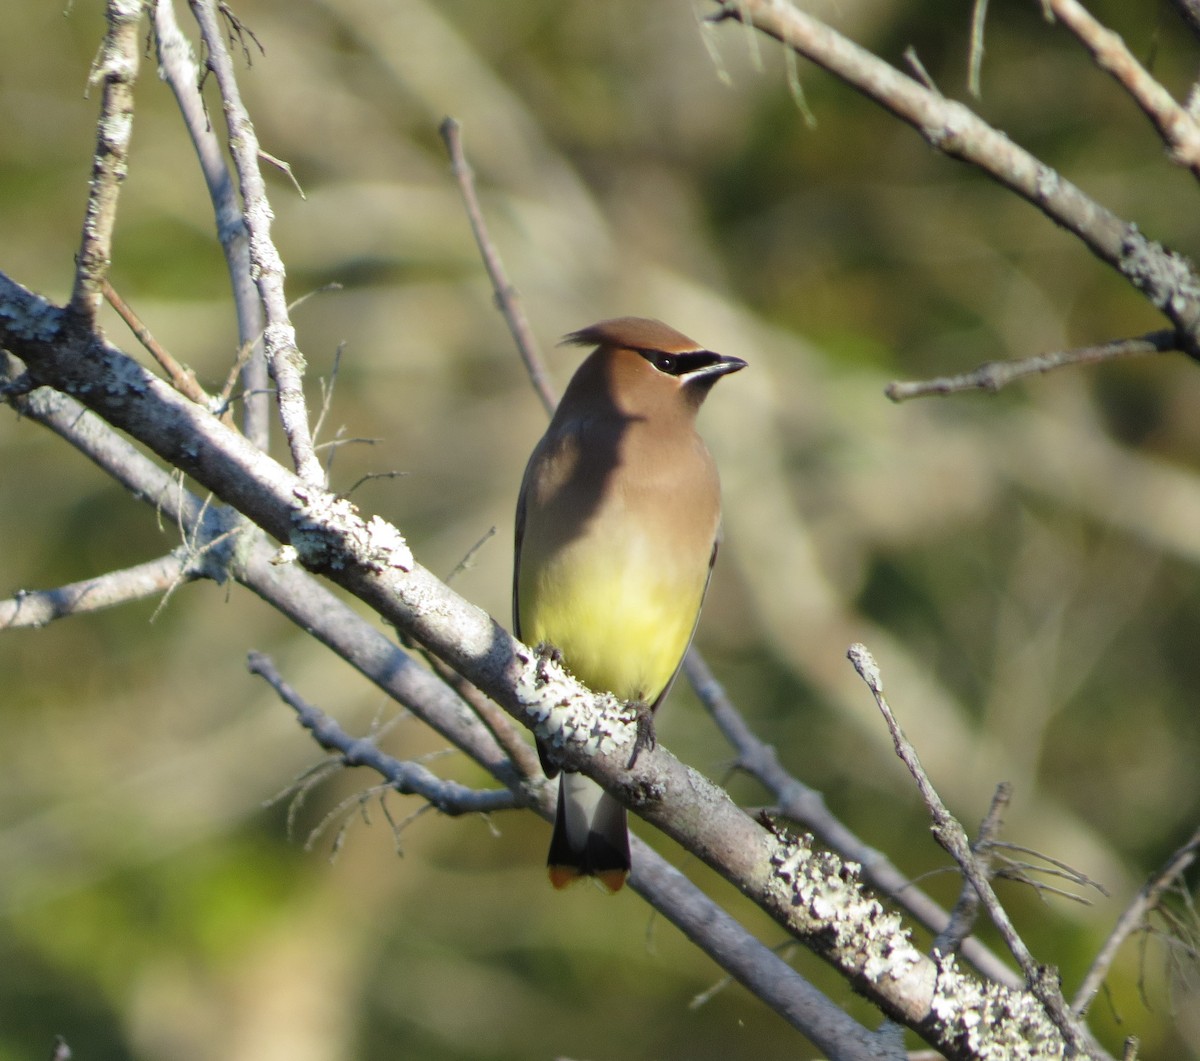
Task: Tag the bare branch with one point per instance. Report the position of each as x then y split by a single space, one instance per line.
1042 980
966 909
115 70
407 778
507 299
279 336
33 608
993 375
1132 918
806 806
1179 130
1166 278
178 68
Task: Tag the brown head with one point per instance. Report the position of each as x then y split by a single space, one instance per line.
645 367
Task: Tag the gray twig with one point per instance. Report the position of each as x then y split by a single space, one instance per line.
805 805
507 299
115 70
1042 980
407 778
178 68
34 608
1179 129
993 375
266 267
966 909
1132 918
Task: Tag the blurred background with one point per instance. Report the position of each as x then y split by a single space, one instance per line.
1023 565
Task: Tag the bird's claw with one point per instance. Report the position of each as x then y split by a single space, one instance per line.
645 739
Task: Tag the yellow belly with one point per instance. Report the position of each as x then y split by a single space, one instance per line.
621 615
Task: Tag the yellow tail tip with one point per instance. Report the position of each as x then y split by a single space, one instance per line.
612 880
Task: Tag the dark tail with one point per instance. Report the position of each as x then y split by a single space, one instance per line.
591 837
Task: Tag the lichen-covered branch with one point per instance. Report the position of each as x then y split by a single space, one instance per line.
817 897
252 560
1042 980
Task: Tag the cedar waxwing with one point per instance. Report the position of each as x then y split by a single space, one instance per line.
617 525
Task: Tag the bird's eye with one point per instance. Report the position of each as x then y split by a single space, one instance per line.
665 363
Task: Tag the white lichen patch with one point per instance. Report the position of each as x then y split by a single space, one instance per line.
383 546
591 724
993 1021
286 554
328 531
828 899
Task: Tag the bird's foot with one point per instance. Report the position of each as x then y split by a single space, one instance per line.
645 739
546 653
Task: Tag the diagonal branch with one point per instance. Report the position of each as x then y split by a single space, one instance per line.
1133 917
407 778
966 908
298 596
806 806
279 336
1179 130
1042 980
1167 279
507 299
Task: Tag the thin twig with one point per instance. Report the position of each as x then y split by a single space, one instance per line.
996 374
507 299
279 336
1134 916
177 66
182 379
468 559
1042 980
407 778
327 389
1054 867
966 909
116 70
35 608
975 63
807 806
1178 129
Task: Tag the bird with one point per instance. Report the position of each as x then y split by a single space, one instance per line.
617 528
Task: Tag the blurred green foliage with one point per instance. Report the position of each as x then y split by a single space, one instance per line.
1024 565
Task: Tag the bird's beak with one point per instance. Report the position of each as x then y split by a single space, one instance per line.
721 365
